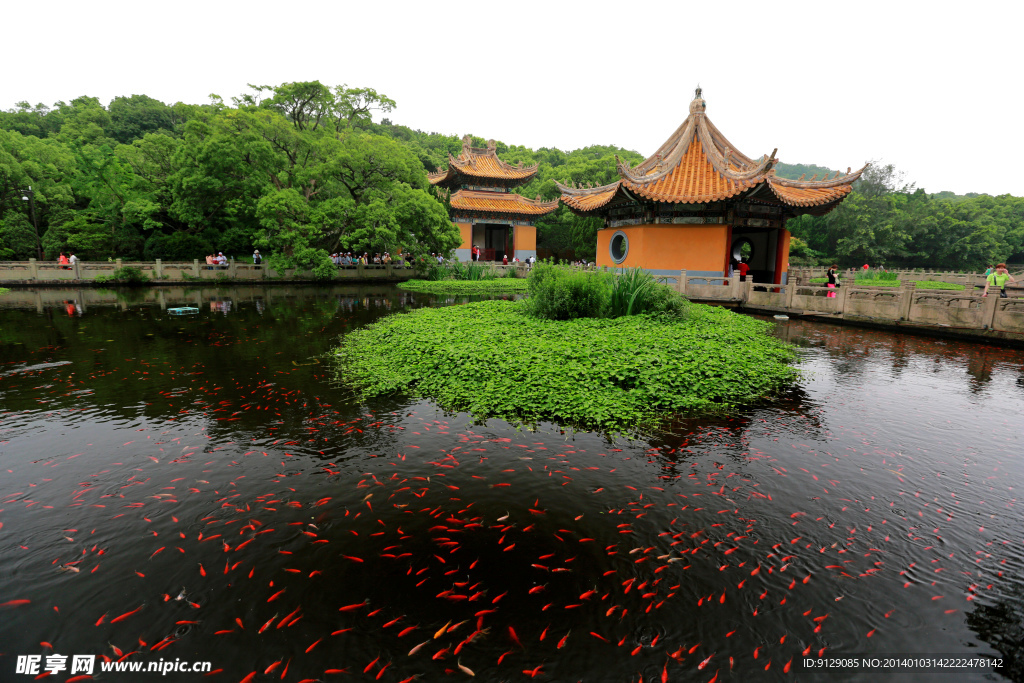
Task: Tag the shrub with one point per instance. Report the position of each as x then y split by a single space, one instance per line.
558 293
128 275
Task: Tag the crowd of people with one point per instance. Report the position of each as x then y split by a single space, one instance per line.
352 259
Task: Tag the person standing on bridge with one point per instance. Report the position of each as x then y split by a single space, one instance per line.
833 280
999 279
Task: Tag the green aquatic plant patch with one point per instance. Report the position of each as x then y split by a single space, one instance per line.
920 284
492 359
930 284
503 285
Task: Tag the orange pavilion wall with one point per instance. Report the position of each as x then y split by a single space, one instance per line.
524 238
669 247
466 232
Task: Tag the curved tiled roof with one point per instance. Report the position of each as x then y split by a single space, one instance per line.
694 180
500 202
481 163
698 164
587 199
808 196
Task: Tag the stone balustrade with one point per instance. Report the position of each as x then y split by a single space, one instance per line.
83 272
959 313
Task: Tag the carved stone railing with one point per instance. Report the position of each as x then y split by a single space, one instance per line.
904 305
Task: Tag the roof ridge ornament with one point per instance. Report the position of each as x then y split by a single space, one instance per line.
698 105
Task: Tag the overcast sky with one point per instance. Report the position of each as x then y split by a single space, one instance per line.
933 88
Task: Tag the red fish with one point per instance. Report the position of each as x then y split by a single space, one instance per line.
349 608
515 638
125 615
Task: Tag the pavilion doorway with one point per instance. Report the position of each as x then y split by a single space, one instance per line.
497 239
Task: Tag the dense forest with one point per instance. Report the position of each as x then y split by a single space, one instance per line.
299 170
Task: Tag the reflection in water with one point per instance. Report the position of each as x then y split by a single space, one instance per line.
870 510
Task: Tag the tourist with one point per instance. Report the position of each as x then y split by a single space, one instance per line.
999 279
256 258
222 260
988 271
63 260
833 280
475 253
504 259
73 260
744 269
865 266
387 258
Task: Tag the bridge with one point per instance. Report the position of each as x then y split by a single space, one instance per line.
950 313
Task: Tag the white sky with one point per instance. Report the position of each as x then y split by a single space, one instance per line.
932 87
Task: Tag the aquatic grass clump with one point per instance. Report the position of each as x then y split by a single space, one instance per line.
560 293
493 359
502 285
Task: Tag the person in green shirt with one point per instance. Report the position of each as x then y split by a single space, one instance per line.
999 278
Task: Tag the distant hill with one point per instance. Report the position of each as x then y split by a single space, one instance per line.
794 171
951 196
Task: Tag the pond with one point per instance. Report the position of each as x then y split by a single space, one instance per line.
193 489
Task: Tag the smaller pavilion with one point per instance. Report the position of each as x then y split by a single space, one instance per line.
698 204
483 206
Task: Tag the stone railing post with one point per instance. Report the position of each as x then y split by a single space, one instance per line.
117 264
158 269
33 268
195 267
360 272
680 286
988 309
78 274
906 299
790 291
736 287
844 294
231 268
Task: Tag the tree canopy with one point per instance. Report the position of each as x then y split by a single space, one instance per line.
302 169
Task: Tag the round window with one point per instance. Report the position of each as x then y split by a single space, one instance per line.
742 250
619 247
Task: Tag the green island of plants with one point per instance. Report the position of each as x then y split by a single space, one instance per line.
587 350
3 290
502 285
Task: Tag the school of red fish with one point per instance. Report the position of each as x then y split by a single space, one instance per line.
448 550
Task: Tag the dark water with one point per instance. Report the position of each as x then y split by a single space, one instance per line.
146 457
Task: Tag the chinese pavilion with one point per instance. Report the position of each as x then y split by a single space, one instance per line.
484 208
698 204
